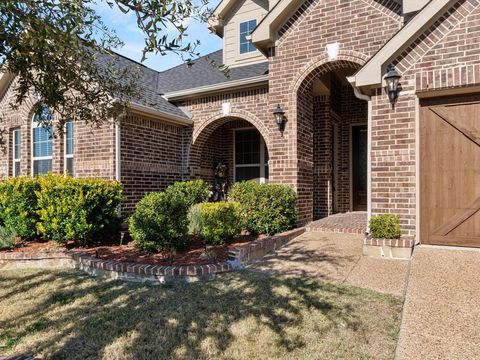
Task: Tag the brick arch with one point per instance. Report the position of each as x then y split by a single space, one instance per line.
321 64
202 133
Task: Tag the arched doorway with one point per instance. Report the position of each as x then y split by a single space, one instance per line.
235 142
332 128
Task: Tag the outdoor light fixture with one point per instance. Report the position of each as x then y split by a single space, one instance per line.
279 117
392 77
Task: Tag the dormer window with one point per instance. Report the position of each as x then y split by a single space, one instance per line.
246 29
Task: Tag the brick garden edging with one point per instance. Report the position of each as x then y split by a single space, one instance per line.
237 258
391 248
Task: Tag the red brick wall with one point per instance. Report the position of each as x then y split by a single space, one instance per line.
300 56
151 157
445 56
94 147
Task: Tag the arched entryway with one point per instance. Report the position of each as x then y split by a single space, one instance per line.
234 141
332 128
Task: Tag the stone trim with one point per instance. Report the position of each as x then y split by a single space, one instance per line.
139 272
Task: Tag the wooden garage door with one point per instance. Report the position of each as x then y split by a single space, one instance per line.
450 171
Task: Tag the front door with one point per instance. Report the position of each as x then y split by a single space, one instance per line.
359 168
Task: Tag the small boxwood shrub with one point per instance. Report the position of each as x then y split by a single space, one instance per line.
82 210
385 226
19 205
266 208
7 238
216 222
159 222
193 191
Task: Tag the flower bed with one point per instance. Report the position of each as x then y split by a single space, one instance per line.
239 254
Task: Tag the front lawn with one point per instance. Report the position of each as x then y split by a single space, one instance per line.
243 315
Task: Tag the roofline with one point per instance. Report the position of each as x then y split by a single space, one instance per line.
263 35
371 73
202 90
147 110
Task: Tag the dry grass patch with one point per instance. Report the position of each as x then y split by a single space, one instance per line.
243 315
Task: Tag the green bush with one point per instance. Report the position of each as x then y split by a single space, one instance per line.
266 208
82 210
216 222
159 222
385 226
19 206
193 191
7 238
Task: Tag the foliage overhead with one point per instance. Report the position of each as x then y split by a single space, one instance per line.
62 52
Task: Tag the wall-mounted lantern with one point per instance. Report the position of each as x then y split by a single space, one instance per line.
279 117
392 78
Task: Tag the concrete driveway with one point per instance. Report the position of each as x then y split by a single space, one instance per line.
441 316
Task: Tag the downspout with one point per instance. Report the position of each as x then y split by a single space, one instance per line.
368 99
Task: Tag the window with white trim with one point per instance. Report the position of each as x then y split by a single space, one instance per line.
42 142
251 156
16 151
246 29
69 148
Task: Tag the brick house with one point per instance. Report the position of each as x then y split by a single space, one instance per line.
344 146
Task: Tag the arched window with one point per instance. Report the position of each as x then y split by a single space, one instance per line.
42 142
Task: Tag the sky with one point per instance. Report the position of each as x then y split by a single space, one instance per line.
126 28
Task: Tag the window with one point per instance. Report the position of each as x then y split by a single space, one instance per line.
16 151
42 142
251 156
69 148
246 29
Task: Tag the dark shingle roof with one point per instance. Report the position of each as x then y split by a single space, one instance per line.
153 84
149 95
203 73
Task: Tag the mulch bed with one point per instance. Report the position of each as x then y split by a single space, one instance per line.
112 250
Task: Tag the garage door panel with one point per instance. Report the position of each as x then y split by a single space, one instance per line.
450 174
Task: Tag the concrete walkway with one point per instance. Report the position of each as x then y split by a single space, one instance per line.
441 318
336 258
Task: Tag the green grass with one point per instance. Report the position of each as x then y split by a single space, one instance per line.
243 315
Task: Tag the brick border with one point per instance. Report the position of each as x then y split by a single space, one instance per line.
400 243
237 259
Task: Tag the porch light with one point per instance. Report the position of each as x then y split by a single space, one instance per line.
279 117
392 77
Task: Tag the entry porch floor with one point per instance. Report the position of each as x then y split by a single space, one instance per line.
347 223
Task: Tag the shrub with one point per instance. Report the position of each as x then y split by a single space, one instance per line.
159 222
19 206
385 226
193 191
77 209
217 222
266 208
7 238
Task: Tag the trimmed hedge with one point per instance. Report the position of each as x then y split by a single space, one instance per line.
385 226
193 191
82 210
19 206
216 222
59 208
266 208
159 222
